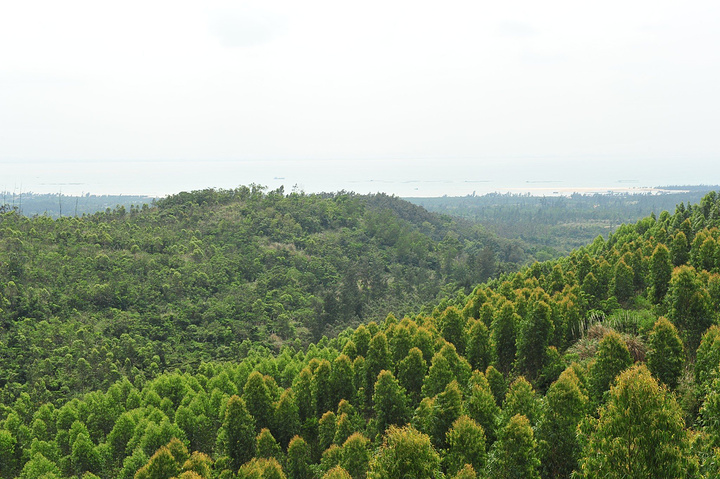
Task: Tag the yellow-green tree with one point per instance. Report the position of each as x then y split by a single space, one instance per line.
611 359
466 445
566 405
639 434
514 455
405 452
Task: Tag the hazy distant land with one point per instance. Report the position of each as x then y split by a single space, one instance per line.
642 199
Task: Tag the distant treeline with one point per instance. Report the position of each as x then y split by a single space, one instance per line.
556 225
56 205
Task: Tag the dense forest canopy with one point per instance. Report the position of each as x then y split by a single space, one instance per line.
604 363
136 291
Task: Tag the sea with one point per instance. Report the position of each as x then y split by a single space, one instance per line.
400 177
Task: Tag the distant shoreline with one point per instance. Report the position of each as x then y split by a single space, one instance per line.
582 190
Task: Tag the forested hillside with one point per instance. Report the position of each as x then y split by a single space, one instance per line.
604 363
555 225
200 276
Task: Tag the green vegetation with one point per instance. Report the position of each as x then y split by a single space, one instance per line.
552 226
87 300
586 365
57 204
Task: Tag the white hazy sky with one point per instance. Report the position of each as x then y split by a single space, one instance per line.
372 80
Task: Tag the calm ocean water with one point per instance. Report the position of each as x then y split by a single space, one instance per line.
399 177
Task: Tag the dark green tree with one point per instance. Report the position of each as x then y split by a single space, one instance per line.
391 403
533 339
479 347
411 374
566 405
239 432
258 401
660 272
503 334
623 281
666 356
452 327
287 418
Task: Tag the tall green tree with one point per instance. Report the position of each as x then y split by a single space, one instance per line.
680 249
666 356
321 387
258 400
479 347
326 430
640 432
411 374
239 432
337 472
707 360
623 281
533 339
405 452
503 333
341 380
287 418
298 459
378 358
565 406
514 455
660 272
266 446
689 305
448 406
466 445
452 327
391 403
356 455
521 399
611 359
480 406
302 388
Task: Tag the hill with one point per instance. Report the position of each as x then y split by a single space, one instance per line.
200 276
603 362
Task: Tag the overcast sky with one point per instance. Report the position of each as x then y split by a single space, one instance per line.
273 80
